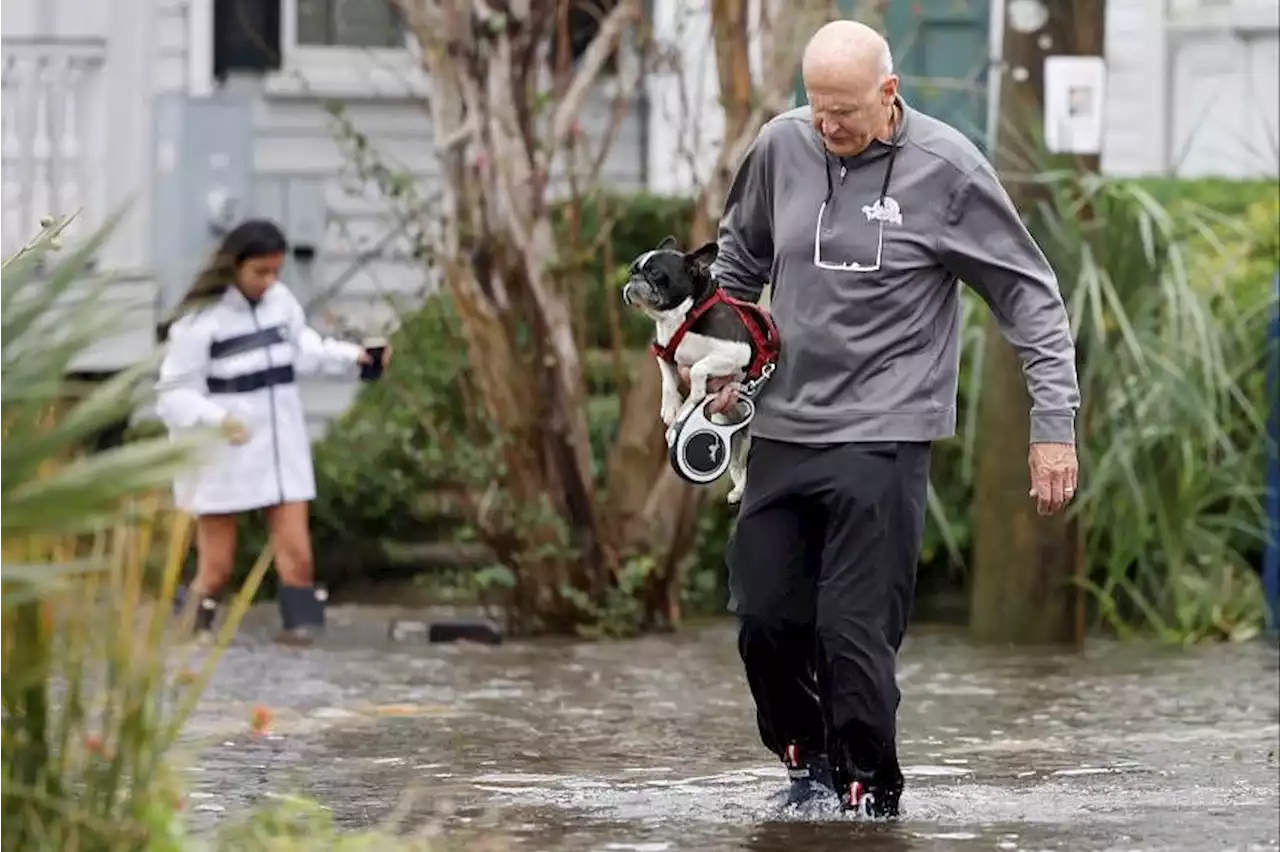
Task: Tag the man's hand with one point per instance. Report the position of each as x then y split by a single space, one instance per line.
1054 473
723 390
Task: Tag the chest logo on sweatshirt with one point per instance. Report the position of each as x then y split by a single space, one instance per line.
883 211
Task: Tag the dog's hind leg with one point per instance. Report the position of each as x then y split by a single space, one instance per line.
738 466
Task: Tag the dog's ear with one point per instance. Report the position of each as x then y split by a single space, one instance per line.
698 266
702 259
668 242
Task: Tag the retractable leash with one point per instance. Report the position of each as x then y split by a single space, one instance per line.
698 449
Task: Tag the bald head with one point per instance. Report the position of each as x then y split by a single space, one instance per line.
849 79
848 49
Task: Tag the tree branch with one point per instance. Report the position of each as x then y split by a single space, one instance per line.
589 68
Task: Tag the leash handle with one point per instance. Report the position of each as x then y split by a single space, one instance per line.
699 450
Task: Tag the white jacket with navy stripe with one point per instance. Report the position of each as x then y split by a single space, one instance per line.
240 359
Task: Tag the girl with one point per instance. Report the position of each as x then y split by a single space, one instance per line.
237 342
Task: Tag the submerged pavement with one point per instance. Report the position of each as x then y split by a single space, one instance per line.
650 745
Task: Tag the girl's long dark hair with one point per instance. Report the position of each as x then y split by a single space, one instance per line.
251 238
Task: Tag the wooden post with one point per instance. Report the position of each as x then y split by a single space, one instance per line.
1023 584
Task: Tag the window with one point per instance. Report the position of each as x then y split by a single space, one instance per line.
583 24
350 23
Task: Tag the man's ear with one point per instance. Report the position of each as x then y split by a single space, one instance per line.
702 258
889 89
668 242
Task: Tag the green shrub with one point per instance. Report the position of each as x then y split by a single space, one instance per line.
1245 229
636 224
1170 304
1228 199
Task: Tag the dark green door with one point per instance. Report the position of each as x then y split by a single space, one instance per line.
941 51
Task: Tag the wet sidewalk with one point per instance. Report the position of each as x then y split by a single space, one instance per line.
651 745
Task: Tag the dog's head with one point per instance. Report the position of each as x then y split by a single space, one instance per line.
662 280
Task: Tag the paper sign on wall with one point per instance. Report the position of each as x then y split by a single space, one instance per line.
1074 103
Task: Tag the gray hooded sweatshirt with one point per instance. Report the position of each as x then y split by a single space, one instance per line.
871 331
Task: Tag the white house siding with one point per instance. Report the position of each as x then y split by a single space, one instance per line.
77 133
171 61
142 36
1224 66
1136 101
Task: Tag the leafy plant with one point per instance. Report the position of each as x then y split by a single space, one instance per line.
1169 305
91 706
95 689
1175 432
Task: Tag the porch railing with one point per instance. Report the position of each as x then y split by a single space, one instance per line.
52 129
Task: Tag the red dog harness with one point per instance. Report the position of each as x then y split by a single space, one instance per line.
765 342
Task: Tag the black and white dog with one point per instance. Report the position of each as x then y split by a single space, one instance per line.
699 327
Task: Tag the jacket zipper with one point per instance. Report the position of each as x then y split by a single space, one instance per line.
275 432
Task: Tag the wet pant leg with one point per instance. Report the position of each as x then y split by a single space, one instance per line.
773 559
874 497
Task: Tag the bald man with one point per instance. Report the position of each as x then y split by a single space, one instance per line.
866 214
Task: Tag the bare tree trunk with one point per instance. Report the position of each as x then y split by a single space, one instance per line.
1025 566
497 247
659 518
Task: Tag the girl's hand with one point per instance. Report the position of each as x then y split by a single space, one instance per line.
234 431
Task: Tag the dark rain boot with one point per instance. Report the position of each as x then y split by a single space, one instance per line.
809 773
871 794
206 611
301 614
870 797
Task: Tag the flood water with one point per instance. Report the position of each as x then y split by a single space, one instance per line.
650 745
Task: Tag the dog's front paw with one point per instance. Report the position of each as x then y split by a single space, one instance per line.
670 409
735 494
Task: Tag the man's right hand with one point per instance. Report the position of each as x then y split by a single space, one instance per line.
723 390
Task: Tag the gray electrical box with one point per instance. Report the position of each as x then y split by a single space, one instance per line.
203 182
307 212
306 219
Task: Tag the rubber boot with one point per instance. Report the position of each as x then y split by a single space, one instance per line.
206 612
870 793
301 614
809 773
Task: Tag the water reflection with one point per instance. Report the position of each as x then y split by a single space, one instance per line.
826 837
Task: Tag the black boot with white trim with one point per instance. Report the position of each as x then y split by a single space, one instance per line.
206 612
301 614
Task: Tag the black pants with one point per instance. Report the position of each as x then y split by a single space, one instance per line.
822 568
